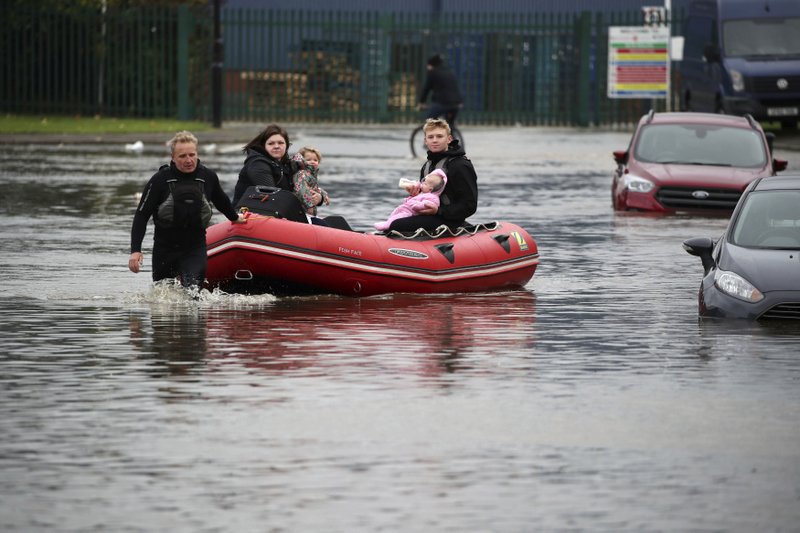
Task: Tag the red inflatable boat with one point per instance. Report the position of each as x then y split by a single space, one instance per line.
268 254
274 254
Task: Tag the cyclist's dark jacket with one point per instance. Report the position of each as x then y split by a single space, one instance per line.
442 82
261 169
157 190
459 200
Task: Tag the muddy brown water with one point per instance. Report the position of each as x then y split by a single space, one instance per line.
593 399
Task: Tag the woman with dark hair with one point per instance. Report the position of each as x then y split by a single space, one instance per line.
266 162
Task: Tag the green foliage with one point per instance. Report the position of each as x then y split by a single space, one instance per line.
67 6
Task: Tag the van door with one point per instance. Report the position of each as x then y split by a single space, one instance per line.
701 70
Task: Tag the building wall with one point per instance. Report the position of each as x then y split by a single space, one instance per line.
464 6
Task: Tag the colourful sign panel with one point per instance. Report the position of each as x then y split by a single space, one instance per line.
638 62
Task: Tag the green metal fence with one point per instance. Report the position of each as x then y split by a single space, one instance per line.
135 62
531 69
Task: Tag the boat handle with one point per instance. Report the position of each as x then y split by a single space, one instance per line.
446 250
243 275
502 240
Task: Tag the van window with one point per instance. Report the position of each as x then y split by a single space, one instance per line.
764 37
699 32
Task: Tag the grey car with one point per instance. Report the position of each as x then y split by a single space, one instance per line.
753 270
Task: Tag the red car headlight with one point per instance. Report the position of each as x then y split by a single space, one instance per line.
637 184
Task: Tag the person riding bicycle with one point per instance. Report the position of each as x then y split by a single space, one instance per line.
446 99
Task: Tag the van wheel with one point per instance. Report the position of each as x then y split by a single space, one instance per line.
686 102
718 107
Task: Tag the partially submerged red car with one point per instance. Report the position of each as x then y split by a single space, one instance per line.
694 162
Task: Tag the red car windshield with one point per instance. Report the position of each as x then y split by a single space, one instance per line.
699 144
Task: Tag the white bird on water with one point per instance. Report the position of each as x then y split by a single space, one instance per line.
138 146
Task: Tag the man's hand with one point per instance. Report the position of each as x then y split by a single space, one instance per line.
135 262
411 187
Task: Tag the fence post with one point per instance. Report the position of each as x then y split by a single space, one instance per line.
183 62
584 78
385 23
216 69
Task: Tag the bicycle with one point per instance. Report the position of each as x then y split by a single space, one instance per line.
417 139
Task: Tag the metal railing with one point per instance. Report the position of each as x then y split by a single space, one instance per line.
513 68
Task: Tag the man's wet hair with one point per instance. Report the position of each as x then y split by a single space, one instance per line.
432 123
181 137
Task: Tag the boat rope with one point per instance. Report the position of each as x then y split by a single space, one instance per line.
422 234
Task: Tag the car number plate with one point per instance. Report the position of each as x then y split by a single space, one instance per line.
782 111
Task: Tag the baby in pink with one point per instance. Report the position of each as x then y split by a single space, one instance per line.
423 194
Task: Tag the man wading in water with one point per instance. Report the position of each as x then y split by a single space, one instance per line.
176 197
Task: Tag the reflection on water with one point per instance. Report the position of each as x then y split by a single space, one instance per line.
436 334
132 407
176 340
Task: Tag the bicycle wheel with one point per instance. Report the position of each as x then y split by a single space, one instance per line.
417 141
456 133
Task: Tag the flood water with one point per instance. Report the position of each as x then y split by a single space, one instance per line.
592 400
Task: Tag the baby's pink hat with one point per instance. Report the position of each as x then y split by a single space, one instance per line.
440 172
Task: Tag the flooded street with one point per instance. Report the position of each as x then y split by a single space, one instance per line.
593 400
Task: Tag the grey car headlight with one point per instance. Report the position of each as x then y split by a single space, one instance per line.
736 286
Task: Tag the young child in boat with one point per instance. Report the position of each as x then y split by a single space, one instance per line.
305 181
423 194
